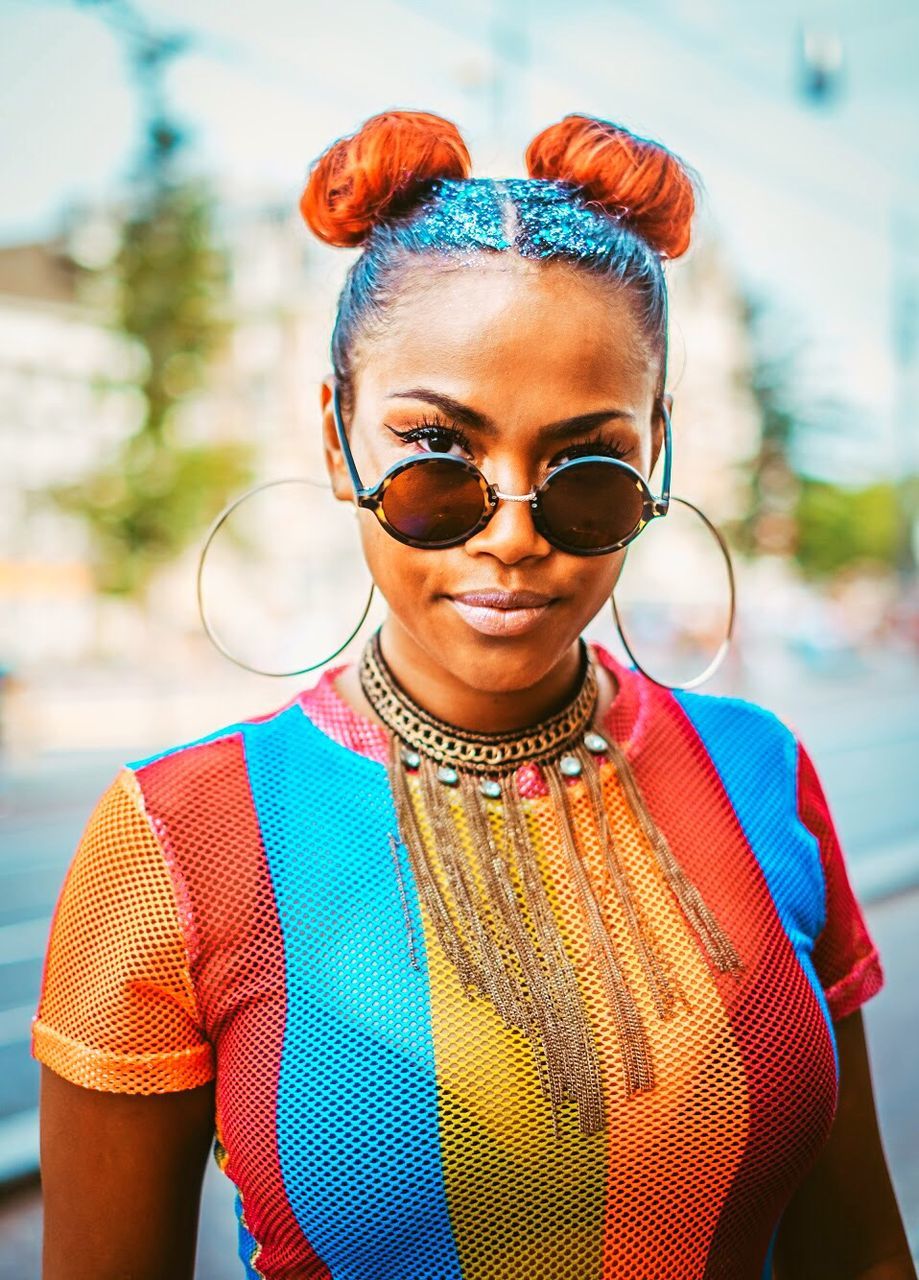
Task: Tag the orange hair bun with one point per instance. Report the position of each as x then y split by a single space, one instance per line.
639 179
377 171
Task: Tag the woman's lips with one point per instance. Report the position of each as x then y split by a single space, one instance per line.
493 614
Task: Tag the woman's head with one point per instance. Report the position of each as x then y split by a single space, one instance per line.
480 314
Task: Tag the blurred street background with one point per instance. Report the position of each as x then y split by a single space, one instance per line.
164 326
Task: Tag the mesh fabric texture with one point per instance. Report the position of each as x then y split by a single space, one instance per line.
234 912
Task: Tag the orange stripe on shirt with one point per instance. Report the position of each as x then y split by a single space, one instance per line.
116 1009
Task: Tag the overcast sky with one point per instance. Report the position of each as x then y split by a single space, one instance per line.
817 205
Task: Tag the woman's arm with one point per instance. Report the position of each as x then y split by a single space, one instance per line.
121 1180
843 1222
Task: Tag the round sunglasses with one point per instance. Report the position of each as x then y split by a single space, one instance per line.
588 506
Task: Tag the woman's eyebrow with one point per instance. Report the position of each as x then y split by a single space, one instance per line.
482 423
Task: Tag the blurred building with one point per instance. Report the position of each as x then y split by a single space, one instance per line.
67 394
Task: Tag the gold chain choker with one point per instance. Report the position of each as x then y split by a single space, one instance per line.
480 753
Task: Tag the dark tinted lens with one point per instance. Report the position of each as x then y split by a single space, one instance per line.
588 505
434 501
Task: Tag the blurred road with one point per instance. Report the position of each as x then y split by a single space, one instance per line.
861 725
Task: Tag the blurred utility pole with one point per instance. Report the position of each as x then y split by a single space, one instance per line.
150 54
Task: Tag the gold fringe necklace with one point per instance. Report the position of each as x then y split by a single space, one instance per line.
485 893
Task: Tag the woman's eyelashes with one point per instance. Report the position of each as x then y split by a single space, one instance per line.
442 436
596 444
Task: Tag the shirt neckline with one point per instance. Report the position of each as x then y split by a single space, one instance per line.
356 733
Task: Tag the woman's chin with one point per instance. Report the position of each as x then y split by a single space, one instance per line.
506 660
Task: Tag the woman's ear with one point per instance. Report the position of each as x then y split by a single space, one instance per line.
331 446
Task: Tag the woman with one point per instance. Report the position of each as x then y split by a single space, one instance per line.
485 956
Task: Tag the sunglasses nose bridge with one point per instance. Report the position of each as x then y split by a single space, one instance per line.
513 537
513 497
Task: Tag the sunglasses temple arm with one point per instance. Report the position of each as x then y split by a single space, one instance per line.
345 447
664 501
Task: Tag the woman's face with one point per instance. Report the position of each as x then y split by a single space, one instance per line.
514 346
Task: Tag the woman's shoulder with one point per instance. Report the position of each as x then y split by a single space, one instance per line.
756 752
731 714
196 790
724 722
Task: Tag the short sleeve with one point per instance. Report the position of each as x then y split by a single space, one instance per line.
117 1008
845 956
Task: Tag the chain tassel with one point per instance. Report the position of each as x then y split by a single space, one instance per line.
696 910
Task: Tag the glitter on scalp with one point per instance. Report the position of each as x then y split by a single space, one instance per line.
552 219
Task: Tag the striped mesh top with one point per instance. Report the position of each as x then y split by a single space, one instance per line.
236 910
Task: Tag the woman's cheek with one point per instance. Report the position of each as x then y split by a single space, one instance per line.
596 583
392 565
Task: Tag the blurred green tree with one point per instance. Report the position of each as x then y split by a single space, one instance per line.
767 526
823 526
842 528
168 289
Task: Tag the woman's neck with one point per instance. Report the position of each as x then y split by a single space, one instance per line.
442 694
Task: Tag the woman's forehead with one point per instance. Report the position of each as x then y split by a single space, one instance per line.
506 323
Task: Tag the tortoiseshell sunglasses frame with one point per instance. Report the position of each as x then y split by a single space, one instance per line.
372 497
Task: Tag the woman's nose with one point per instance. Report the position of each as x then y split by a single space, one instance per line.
511 533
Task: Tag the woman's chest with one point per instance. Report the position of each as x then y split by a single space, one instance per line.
391 1107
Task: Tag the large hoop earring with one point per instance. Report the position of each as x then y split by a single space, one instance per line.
209 630
725 643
